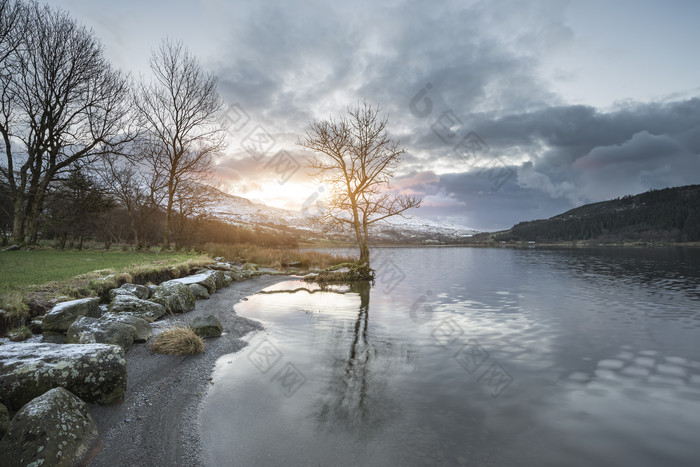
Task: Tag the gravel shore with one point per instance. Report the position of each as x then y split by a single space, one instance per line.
156 425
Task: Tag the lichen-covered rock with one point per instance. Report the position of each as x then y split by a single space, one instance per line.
87 330
175 296
205 278
116 292
94 372
145 309
219 278
199 291
4 420
207 326
62 315
141 291
239 274
142 327
226 281
54 429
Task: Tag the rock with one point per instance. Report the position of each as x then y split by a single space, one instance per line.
226 280
208 326
94 372
130 305
116 292
219 278
54 429
53 337
88 330
206 278
221 266
62 315
199 291
141 291
239 274
12 248
4 420
142 326
175 296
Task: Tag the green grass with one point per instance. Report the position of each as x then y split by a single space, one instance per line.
20 269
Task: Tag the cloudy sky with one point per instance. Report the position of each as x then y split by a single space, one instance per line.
508 110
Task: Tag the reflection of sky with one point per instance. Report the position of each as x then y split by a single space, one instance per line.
599 363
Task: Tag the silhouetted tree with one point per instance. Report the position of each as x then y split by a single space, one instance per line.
358 161
61 103
179 109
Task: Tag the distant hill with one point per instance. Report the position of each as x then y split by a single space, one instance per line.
244 213
668 215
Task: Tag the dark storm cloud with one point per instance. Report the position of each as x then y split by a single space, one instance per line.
287 65
565 156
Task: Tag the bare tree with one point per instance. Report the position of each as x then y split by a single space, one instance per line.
358 159
138 188
61 103
180 111
193 205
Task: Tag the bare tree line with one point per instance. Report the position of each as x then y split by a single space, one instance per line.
89 151
79 137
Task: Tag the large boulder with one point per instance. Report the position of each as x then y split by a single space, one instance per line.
62 315
205 278
141 326
54 429
94 372
174 295
207 326
131 305
200 291
87 330
4 420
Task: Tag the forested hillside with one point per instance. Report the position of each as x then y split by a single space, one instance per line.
671 214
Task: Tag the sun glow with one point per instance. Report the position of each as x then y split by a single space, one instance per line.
290 195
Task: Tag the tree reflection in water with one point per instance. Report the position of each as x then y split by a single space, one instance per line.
357 398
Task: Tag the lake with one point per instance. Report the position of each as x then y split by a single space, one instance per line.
470 356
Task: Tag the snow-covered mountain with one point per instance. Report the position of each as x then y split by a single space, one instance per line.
243 212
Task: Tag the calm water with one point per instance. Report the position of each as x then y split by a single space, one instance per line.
464 356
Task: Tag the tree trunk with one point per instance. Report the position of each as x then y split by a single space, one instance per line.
35 209
364 252
168 214
166 229
18 220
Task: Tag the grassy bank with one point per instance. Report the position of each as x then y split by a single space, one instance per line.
20 269
31 281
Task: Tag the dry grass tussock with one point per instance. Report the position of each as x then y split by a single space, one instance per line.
178 340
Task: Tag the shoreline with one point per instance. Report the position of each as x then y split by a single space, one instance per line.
157 423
